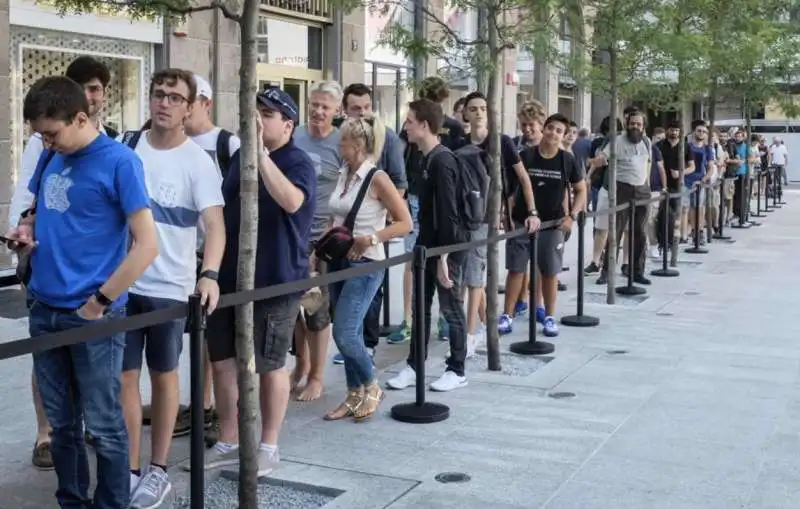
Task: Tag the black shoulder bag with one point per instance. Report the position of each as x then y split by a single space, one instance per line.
336 243
24 259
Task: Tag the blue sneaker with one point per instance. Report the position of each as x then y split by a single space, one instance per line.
505 324
444 329
549 327
338 359
520 309
399 336
540 315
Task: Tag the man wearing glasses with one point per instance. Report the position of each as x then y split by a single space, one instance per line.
185 189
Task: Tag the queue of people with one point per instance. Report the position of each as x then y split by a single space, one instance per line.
160 209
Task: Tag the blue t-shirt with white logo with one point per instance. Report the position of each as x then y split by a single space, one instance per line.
702 155
81 221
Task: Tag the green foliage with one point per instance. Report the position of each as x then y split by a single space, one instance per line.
142 9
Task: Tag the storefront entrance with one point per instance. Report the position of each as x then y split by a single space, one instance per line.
390 91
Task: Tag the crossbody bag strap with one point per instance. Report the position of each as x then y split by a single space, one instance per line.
350 220
40 169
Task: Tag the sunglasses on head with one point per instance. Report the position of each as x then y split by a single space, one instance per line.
274 95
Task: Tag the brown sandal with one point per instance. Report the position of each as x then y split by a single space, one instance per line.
347 408
373 395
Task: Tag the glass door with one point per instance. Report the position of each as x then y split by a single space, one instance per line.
298 89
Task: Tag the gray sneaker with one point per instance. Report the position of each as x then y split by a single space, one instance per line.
267 462
216 459
152 489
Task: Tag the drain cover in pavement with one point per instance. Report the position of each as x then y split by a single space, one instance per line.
622 300
665 313
452 477
223 494
617 352
689 263
691 293
561 395
511 364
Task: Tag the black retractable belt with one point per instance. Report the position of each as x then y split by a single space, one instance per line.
532 347
630 289
667 229
579 319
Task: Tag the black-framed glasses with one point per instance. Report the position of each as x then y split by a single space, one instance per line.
173 98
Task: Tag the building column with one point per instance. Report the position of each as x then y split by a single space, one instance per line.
6 178
352 49
545 84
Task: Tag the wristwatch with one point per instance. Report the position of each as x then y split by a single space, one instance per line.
374 240
533 213
213 275
574 216
102 299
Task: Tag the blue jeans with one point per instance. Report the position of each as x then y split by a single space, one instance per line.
351 300
81 383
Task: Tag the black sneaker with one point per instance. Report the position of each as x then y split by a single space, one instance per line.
592 268
603 279
183 422
211 435
562 287
641 280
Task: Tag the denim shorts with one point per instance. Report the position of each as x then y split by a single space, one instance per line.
410 240
690 198
161 343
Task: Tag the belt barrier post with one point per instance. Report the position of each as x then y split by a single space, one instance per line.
197 332
532 347
629 288
769 188
758 196
721 219
749 202
777 194
387 328
668 228
696 249
420 411
579 319
741 181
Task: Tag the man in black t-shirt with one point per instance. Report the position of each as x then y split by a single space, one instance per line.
552 171
671 154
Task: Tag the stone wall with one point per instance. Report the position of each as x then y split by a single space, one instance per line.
6 180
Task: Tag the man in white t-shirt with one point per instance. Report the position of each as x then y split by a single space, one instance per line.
221 145
779 157
185 188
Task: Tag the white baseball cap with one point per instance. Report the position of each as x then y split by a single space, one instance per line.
203 87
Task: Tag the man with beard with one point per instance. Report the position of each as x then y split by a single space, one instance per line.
634 152
737 166
671 154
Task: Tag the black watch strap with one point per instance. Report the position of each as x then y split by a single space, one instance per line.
102 299
209 274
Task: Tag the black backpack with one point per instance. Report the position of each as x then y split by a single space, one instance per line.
131 139
472 187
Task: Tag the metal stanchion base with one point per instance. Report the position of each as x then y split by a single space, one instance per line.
535 348
580 321
388 330
779 205
696 250
425 413
721 237
665 273
630 290
757 215
740 226
754 223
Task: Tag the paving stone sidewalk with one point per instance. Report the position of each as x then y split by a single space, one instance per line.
686 400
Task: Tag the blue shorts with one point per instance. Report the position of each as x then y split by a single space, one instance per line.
690 198
410 240
162 343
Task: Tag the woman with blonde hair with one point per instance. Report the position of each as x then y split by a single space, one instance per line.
360 147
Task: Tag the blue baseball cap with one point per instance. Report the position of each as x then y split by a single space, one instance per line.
276 99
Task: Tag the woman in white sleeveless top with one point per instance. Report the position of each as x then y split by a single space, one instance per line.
351 299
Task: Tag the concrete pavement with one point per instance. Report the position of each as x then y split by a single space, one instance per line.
686 400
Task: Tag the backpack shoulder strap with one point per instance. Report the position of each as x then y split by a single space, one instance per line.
110 131
40 168
350 220
131 138
224 151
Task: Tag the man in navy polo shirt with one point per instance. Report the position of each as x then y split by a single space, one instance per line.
287 188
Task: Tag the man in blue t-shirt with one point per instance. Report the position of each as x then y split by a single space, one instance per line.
703 156
89 192
286 201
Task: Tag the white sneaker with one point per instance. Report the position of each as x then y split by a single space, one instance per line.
448 382
472 343
267 462
480 341
134 482
406 378
655 252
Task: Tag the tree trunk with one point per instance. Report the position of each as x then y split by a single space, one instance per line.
248 237
712 103
493 207
482 73
611 246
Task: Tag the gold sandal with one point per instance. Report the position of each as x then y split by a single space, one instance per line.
347 408
373 395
